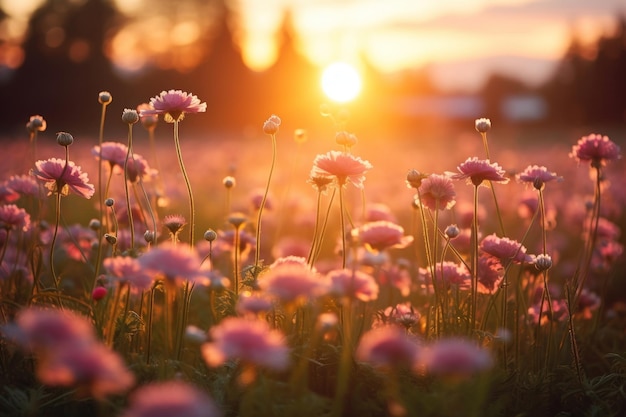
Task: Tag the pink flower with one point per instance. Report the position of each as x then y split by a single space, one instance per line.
448 273
291 282
62 176
403 315
14 218
173 262
505 249
174 104
595 148
380 235
24 185
7 194
537 176
378 211
436 192
138 168
490 274
352 284
126 269
95 369
171 398
251 341
455 359
253 303
344 167
112 152
398 277
476 171
388 347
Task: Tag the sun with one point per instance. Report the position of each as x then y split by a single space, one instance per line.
341 82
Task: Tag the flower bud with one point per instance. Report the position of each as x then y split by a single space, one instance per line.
543 262
109 202
99 293
414 178
104 97
64 139
270 126
229 182
210 235
36 124
130 116
149 236
94 224
452 231
483 125
112 240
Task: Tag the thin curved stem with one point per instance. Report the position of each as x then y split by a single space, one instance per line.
129 153
257 253
192 209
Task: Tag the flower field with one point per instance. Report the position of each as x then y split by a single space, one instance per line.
311 272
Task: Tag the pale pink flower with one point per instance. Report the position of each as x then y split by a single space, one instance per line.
352 284
389 348
13 217
537 176
396 276
378 211
455 359
344 167
171 398
174 104
138 168
62 176
436 192
148 121
95 369
173 262
448 273
251 341
128 270
291 282
489 274
112 152
476 171
253 303
380 235
597 149
24 185
505 249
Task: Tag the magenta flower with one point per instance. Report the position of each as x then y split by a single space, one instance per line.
448 273
380 235
24 185
388 347
597 149
291 282
490 274
174 104
476 171
505 249
537 176
251 341
173 262
455 359
13 217
171 398
344 167
128 270
436 192
352 284
62 176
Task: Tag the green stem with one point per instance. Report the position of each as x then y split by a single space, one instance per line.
192 209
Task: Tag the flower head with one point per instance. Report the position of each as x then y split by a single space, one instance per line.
251 341
62 176
344 167
127 269
148 121
382 234
595 148
537 176
482 125
455 358
388 347
353 284
505 249
291 282
174 104
14 218
476 171
437 192
171 398
36 123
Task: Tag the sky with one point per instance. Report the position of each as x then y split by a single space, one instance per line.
460 41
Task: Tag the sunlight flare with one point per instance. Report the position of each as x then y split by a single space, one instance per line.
341 82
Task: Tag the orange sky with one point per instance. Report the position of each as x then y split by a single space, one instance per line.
518 37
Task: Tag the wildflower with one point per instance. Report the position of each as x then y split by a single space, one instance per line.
482 125
380 235
62 176
170 398
253 303
113 152
597 149
320 182
291 282
210 235
23 185
99 293
452 231
127 269
13 217
172 262
271 125
388 347
379 211
36 123
403 315
174 223
174 104
437 192
414 178
455 358
537 176
543 262
476 171
344 167
104 97
490 274
398 277
130 116
352 284
448 273
137 168
64 139
251 341
505 249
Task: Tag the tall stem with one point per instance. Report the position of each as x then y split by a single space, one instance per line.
474 256
129 154
257 253
343 227
192 209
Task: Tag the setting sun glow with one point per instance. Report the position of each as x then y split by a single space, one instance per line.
341 82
